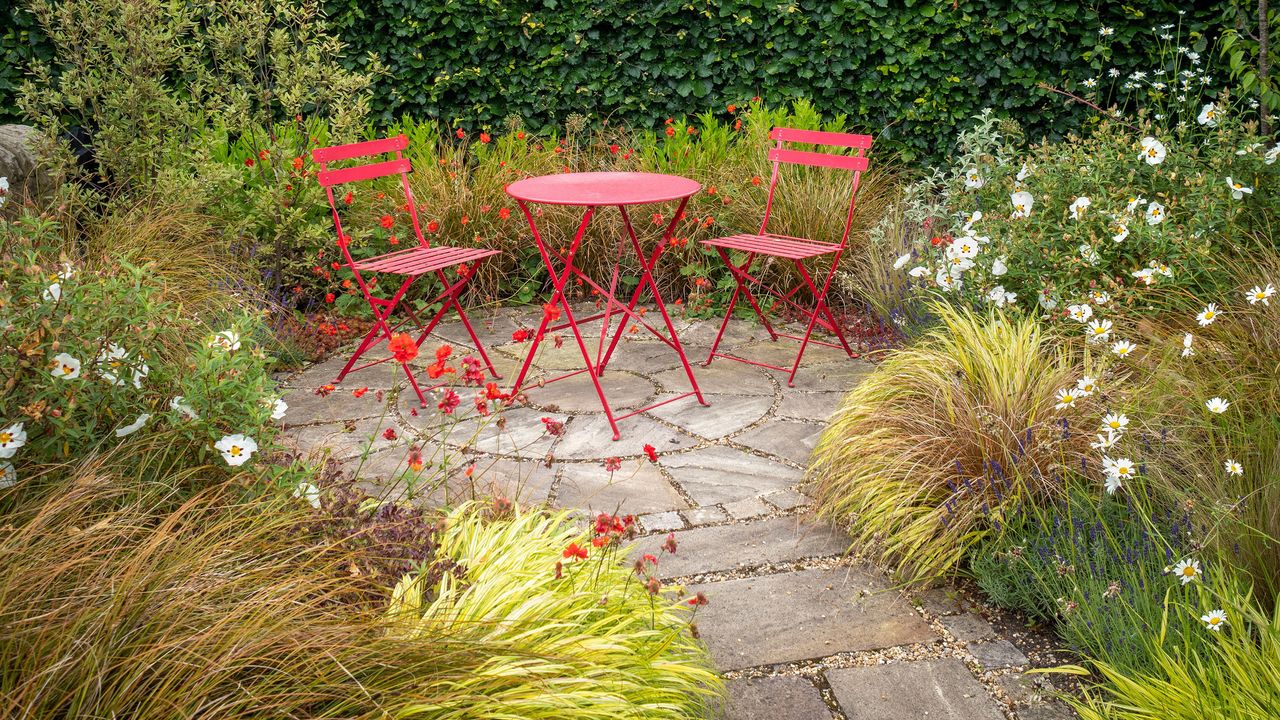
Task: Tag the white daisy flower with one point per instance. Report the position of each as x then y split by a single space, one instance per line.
1123 348
1105 31
1080 313
134 426
1214 620
1112 484
967 229
973 179
1001 297
1115 422
1153 151
1208 315
1099 330
310 493
236 449
901 261
958 265
1047 301
1078 207
65 367
1087 386
12 438
1105 441
1022 202
1233 468
1122 468
1238 190
1089 254
228 340
1260 294
1187 570
1217 405
1091 83
1155 213
8 473
68 271
946 281
1208 114
1066 398
1187 350
179 405
1025 171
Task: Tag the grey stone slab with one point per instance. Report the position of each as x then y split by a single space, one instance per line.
747 509
819 406
762 542
662 522
943 601
726 415
998 654
381 376
968 627
343 440
492 326
788 439
783 353
1034 698
306 407
633 490
589 436
519 432
525 481
719 474
578 394
788 500
783 697
804 615
942 689
706 515
722 377
738 332
648 357
839 376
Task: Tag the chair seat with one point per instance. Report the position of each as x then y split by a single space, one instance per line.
775 245
422 260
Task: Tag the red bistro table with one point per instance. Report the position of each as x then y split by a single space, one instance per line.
594 190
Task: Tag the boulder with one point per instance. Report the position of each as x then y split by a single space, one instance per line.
28 180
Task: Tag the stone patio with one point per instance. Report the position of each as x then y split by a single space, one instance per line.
800 630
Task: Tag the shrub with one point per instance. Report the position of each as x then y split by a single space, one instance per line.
99 355
589 627
1097 567
945 434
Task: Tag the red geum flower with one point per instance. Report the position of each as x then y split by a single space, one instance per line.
504 213
324 390
433 226
671 132
360 392
732 108
614 149
389 433
493 392
737 124
613 464
449 401
575 551
484 138
348 197
248 162
699 599
669 545
551 312
554 427
657 218
651 452
388 222
415 458
520 135
520 335
402 347
328 297
297 163
650 559
263 154
460 133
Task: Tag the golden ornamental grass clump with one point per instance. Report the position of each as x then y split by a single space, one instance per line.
926 454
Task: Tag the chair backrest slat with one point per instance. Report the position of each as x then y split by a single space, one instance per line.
857 163
363 172
821 137
360 149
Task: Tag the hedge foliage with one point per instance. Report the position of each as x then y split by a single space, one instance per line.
919 68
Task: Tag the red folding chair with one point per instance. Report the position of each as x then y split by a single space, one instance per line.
797 250
410 263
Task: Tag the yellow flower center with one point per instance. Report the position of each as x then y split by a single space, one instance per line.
67 369
1215 620
1115 425
1208 314
5 438
235 451
1122 470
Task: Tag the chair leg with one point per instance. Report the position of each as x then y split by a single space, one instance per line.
822 306
462 315
819 306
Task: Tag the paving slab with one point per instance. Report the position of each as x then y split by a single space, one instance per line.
723 377
306 407
589 436
732 547
381 376
839 376
577 394
789 439
804 615
788 499
942 689
817 406
726 415
783 353
706 515
782 697
519 432
343 439
998 654
720 474
526 481
968 627
1035 698
747 509
648 356
632 490
662 522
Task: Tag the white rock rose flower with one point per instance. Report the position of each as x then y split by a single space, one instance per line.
236 449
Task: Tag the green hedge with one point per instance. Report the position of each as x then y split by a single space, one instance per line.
21 41
919 68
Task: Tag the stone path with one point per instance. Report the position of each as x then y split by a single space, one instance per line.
800 630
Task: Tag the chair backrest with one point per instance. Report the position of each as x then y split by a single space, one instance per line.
856 162
374 149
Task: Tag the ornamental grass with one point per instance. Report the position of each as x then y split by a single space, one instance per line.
925 455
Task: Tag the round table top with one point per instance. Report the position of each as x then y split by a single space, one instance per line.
602 188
